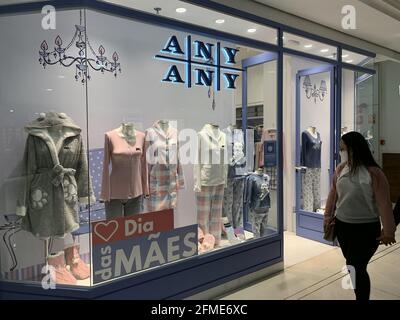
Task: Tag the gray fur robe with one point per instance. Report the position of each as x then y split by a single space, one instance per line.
55 175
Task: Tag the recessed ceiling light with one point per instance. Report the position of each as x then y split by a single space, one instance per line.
219 21
345 55
251 30
180 10
308 46
61 76
324 50
12 110
349 61
49 89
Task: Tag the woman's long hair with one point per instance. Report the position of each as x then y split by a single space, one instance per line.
358 151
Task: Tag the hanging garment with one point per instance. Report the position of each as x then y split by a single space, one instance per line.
209 210
233 201
164 168
128 177
122 208
56 177
235 151
310 150
258 155
311 189
250 150
211 168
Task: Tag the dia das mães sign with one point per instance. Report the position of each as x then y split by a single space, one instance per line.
129 244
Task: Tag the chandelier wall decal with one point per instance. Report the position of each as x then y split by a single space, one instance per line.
314 92
60 55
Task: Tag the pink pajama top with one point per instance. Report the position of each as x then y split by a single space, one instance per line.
126 178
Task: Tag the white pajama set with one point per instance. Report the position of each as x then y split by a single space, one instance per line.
210 179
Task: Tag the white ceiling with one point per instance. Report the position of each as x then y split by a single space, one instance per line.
372 23
384 29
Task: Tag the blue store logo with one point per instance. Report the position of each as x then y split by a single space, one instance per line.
207 59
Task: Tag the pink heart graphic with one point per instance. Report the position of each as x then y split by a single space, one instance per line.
105 230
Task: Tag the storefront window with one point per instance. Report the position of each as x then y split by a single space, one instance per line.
359 109
135 156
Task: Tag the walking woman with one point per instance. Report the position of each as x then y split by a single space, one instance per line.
358 202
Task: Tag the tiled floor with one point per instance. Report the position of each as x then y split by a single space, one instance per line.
313 271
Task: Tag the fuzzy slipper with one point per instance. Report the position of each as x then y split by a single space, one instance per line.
208 243
200 235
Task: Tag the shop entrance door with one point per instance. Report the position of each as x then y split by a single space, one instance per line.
315 137
260 118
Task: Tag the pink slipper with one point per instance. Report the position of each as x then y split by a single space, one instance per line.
200 235
208 243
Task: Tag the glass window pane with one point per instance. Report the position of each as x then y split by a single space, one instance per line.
359 112
43 179
306 45
357 59
175 153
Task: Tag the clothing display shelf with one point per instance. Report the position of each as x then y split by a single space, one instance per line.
255 115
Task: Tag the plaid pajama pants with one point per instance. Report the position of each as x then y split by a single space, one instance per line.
209 210
164 182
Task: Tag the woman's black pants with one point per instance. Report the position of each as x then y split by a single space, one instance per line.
358 243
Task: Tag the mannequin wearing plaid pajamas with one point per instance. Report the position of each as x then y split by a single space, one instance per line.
311 158
210 178
164 168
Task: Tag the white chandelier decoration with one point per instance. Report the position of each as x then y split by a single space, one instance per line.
312 91
98 61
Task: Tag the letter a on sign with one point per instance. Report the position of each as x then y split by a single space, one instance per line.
173 73
173 46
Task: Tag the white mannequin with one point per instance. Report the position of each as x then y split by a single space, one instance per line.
128 132
312 131
164 124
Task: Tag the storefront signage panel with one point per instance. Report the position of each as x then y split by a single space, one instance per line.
203 59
